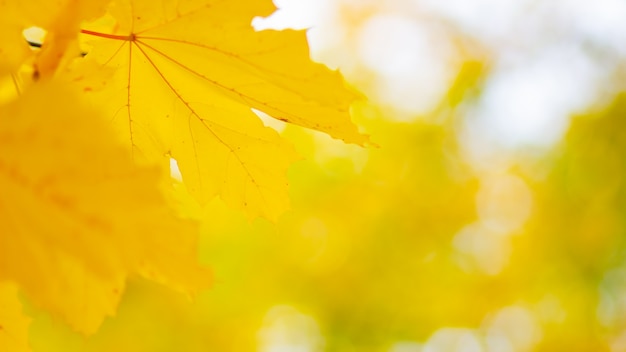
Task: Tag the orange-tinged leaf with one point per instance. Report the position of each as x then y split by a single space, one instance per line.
78 215
61 44
189 74
13 323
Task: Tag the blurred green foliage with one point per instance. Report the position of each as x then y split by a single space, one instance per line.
406 247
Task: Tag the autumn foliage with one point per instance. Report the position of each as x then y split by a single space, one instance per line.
173 179
93 118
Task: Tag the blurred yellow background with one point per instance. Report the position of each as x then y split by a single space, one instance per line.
490 218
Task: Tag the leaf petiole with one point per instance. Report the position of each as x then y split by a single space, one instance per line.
130 37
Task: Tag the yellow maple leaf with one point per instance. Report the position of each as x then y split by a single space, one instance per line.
188 74
78 215
13 323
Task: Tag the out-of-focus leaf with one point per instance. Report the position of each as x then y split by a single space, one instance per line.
78 215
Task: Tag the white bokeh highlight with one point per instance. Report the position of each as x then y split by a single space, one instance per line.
413 62
286 329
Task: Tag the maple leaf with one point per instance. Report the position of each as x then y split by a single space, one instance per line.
13 323
188 74
78 215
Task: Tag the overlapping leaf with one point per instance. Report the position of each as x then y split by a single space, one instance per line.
188 74
61 18
78 216
175 79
